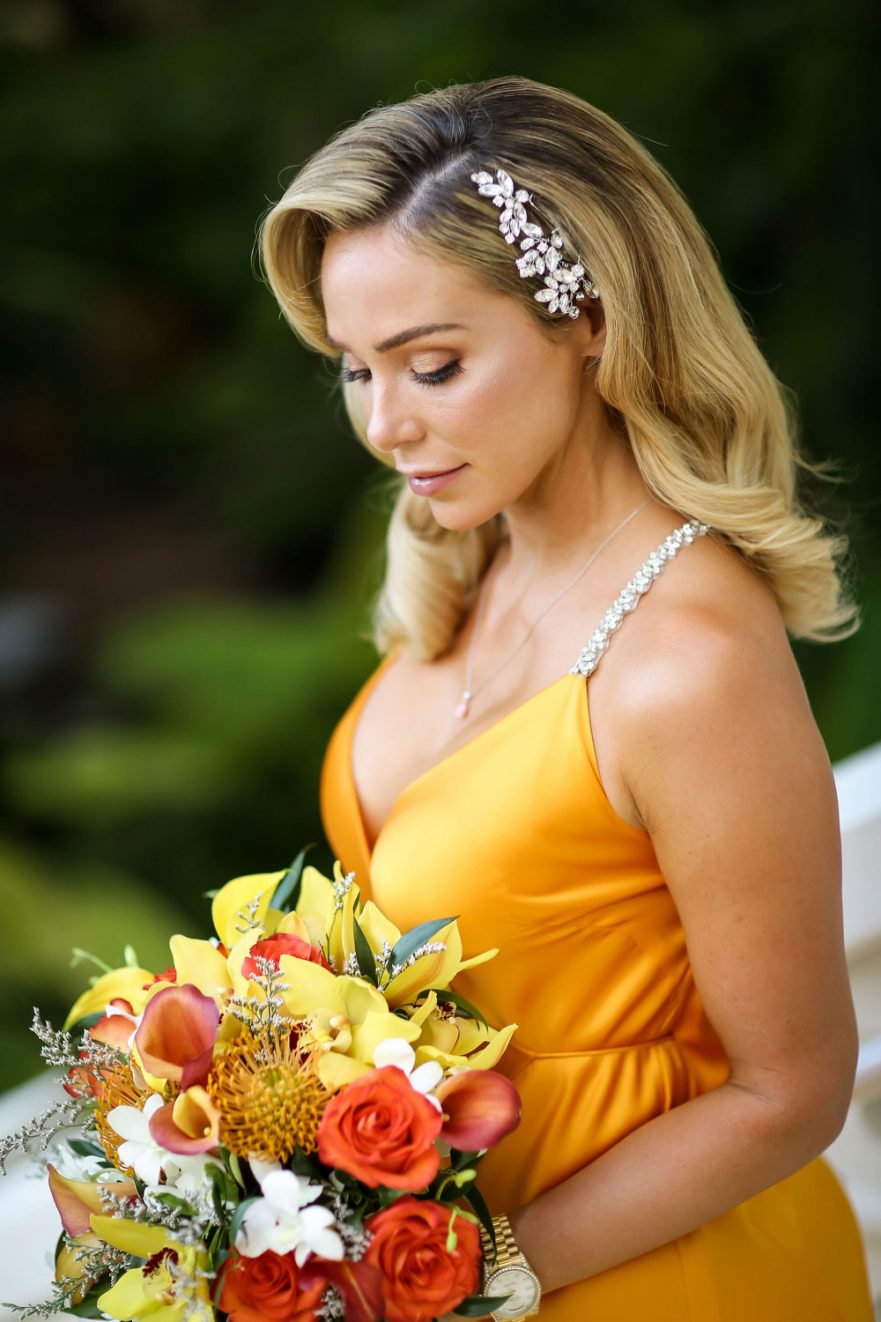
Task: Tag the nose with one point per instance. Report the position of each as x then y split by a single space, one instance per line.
389 423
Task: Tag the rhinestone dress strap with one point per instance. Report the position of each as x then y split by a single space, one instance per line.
628 599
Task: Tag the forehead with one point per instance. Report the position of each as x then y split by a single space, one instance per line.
373 282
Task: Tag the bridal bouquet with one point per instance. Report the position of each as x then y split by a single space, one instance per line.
285 1123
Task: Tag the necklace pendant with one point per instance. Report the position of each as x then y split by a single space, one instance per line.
463 707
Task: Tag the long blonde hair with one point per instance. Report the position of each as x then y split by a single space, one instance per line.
712 430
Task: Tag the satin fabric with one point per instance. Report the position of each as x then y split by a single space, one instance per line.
513 832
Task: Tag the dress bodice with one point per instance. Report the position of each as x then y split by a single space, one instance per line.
513 832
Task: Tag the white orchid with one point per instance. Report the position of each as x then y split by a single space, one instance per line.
281 1221
189 1177
139 1150
424 1078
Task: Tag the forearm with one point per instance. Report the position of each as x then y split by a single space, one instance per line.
673 1174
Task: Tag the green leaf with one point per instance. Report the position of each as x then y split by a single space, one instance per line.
78 955
89 1306
388 1196
459 1159
481 1304
238 1215
364 954
410 942
287 892
130 957
235 1168
301 1163
83 1148
172 1200
477 1201
209 895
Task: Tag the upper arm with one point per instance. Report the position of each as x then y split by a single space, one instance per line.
730 774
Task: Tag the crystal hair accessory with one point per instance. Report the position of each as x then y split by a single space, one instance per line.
566 284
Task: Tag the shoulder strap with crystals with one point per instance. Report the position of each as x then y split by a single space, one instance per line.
628 599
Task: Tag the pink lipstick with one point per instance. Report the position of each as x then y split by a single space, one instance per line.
427 486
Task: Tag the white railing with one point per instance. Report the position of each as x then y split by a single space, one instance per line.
856 1153
29 1223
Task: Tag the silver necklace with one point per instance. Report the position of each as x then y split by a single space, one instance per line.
469 693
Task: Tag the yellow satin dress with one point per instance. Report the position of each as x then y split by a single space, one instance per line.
514 833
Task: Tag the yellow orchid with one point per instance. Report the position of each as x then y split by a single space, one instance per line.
201 964
244 902
436 967
170 1285
127 984
346 1017
456 1042
336 906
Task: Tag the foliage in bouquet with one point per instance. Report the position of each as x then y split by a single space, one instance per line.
287 1122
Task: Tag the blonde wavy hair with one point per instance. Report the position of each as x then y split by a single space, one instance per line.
712 430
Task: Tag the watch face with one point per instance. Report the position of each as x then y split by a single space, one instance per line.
521 1288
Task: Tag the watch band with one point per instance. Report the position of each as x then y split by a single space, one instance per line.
508 1254
508 1250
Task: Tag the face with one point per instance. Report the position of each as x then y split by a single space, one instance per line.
485 392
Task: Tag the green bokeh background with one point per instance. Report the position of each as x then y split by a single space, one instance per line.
190 535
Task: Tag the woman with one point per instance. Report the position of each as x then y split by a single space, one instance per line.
520 299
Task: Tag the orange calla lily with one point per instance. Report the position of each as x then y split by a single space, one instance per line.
480 1107
189 1124
76 1200
176 1036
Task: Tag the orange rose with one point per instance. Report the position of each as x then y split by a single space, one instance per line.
267 1289
420 1278
382 1131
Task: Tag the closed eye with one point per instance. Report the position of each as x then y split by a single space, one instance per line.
435 378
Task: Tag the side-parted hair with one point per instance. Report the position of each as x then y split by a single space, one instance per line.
712 430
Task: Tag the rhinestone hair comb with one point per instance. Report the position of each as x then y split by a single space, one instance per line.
566 284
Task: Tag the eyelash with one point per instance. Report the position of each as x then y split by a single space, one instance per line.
422 378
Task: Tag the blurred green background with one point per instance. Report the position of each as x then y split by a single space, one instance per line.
189 534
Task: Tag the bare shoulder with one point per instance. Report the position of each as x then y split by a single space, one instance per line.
716 710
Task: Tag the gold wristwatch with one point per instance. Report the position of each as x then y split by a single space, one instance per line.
509 1273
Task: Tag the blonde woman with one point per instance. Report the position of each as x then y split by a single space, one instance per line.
650 838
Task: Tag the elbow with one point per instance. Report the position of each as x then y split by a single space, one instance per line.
822 1105
827 1118
812 1106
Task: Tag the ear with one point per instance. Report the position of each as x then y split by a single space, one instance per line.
591 324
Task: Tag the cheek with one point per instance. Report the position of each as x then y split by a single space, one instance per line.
535 379
523 403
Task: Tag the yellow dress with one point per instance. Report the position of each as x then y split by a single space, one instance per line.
514 833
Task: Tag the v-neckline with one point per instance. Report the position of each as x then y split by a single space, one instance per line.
370 850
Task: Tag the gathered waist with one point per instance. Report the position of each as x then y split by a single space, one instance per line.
529 1056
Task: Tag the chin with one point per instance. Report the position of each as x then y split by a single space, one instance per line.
458 519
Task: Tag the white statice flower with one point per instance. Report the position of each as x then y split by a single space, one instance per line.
424 1078
282 1222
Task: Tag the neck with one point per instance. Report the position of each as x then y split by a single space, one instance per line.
575 503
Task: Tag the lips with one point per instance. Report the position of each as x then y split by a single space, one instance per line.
437 481
437 472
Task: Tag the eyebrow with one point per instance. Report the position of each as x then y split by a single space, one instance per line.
403 337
